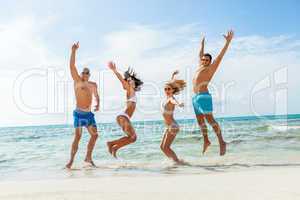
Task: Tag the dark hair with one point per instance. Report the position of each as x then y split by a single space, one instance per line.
131 74
86 69
208 55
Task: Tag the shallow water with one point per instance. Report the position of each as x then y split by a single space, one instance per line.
41 152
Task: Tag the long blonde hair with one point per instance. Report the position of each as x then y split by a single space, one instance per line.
176 85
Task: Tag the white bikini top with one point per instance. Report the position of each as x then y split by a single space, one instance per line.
163 106
132 99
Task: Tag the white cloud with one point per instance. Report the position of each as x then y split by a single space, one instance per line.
22 49
155 52
22 46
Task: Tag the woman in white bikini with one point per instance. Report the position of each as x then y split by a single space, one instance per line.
172 88
131 84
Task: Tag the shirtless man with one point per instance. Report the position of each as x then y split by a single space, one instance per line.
202 100
83 117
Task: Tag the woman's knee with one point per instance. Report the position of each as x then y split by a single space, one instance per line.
162 146
167 149
129 130
132 138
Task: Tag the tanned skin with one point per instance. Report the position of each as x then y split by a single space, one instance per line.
202 78
171 132
124 122
84 91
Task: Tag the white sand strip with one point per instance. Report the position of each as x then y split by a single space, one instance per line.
264 184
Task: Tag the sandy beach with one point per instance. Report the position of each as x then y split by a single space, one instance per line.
275 183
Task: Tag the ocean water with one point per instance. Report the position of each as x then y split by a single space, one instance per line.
34 153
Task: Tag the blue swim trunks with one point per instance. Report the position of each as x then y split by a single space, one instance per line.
202 103
82 118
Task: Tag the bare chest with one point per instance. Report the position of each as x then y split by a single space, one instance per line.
201 74
83 87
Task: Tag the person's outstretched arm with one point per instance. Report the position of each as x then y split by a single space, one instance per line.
175 102
219 58
113 67
73 69
202 48
174 74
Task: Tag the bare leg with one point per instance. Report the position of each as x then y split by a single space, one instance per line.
94 135
115 145
166 143
203 127
214 124
74 149
114 142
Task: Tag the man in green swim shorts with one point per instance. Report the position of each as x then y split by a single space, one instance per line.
202 100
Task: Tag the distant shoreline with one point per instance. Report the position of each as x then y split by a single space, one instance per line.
229 118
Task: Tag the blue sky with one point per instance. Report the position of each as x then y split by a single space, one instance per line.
259 17
151 36
94 18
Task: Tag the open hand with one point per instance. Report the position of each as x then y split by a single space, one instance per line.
175 72
229 36
96 108
112 65
75 46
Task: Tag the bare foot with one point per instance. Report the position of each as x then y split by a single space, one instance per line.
181 162
114 150
69 165
222 148
89 163
206 144
109 146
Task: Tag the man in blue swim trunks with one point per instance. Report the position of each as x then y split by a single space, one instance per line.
83 117
202 100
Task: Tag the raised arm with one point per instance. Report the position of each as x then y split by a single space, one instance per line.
219 58
202 48
113 67
174 74
73 69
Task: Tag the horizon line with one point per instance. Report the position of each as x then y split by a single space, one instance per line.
181 119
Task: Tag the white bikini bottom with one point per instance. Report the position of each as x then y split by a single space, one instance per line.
174 125
123 114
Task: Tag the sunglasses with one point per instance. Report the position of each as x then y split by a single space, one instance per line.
85 73
205 60
168 89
